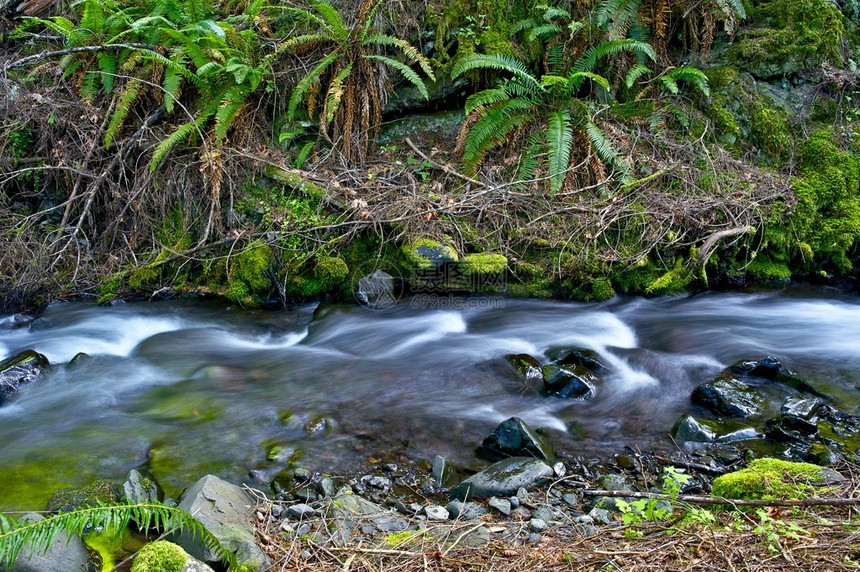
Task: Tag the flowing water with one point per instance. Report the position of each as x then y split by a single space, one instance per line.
190 387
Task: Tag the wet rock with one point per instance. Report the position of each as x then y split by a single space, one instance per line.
96 493
801 408
15 321
79 358
444 475
503 478
559 470
600 516
569 383
527 366
346 512
225 510
465 510
501 505
65 554
729 397
514 438
20 369
771 368
326 487
140 487
692 430
582 357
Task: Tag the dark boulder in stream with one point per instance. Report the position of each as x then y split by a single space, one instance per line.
692 430
514 438
578 357
527 367
729 397
20 369
569 383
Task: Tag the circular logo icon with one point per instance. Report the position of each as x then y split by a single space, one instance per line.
377 285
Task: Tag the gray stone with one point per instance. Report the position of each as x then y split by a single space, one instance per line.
537 525
534 538
501 505
503 478
277 510
436 512
523 495
559 470
801 407
379 482
570 499
300 511
465 510
515 502
139 488
544 513
729 397
600 516
690 429
65 554
304 529
527 366
326 487
514 438
226 511
770 368
584 519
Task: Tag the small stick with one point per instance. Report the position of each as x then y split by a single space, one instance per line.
697 499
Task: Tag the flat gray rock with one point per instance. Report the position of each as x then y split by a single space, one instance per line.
503 479
227 512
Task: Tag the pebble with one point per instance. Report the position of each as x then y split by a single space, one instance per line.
583 519
306 554
534 538
523 495
304 529
559 470
600 515
465 510
570 499
277 510
436 512
378 482
501 505
287 527
515 502
299 511
537 525
326 487
543 513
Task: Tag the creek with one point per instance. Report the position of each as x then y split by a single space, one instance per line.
191 387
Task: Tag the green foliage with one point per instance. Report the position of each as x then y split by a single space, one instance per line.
788 37
15 535
342 91
484 263
768 479
651 510
777 531
248 278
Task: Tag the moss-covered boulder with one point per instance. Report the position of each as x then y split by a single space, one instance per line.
729 397
483 263
163 556
772 479
426 254
787 37
97 493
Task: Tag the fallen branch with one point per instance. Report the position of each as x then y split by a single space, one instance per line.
712 241
691 465
697 499
77 50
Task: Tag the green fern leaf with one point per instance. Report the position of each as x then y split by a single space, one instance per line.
497 62
335 93
406 71
478 101
408 50
306 82
123 107
333 21
183 132
634 74
559 137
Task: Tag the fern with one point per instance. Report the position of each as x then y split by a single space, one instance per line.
305 83
634 74
559 144
588 61
405 70
124 105
496 62
38 536
408 50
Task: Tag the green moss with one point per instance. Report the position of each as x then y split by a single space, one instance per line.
787 37
601 289
143 277
331 271
768 479
160 556
764 269
769 131
247 280
113 547
96 493
675 281
484 263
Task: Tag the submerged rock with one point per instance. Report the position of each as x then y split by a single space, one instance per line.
690 429
226 511
771 368
527 366
376 290
569 383
20 369
503 478
729 397
589 359
514 438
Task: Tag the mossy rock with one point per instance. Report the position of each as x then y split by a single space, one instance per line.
788 37
426 254
94 494
248 278
113 547
769 479
163 556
